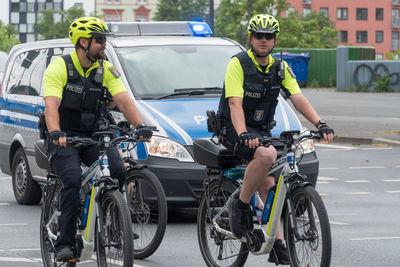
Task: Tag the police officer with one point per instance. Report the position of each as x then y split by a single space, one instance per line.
253 80
75 86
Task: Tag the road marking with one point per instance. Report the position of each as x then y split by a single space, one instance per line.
338 223
325 169
341 214
368 167
393 192
11 259
357 181
391 180
5 204
397 166
323 182
13 224
323 194
5 178
374 238
323 178
358 193
336 147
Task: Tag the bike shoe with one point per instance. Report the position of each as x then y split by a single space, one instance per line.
279 254
64 254
240 219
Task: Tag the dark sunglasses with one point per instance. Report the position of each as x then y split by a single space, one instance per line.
100 39
260 35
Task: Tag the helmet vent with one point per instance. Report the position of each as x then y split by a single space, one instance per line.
83 21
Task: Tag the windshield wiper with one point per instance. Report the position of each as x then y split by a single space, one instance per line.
192 91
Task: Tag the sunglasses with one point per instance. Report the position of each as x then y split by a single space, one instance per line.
100 39
260 35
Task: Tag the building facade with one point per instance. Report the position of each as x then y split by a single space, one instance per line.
87 5
360 22
126 10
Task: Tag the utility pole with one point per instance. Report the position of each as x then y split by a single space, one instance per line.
211 14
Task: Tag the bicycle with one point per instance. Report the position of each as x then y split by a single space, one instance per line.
305 220
146 199
103 221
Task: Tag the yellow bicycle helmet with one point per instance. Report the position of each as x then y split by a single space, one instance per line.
263 23
86 27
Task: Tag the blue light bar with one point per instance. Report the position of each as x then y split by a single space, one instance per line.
200 28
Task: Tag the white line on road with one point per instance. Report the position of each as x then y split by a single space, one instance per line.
374 238
358 193
322 182
11 259
335 146
393 192
357 181
326 169
4 204
5 178
323 178
391 180
323 194
338 223
23 249
368 167
341 214
397 166
13 224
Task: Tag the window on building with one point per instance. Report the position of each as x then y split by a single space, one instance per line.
362 36
40 7
395 41
141 17
22 28
30 37
379 14
78 5
22 7
57 7
142 1
379 37
378 56
306 10
30 17
117 2
109 1
325 11
31 28
395 18
362 13
396 2
14 7
49 5
15 17
290 9
342 37
108 18
117 17
341 13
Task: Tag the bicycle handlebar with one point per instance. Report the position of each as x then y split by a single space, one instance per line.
289 138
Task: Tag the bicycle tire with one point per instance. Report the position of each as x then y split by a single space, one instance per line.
117 232
313 246
217 195
148 210
49 210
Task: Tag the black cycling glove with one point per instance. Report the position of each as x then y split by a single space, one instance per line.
247 136
55 135
325 129
144 131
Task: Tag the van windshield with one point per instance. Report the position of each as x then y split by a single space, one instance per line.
162 71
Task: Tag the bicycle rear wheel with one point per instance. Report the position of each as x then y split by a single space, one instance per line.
49 226
312 246
216 248
148 211
114 243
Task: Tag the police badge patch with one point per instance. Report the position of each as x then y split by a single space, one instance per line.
258 115
114 72
291 72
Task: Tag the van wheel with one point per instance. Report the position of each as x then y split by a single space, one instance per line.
26 190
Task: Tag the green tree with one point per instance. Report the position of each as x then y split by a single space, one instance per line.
313 30
48 29
232 16
7 37
177 10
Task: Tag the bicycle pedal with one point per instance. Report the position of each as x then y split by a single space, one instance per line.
72 260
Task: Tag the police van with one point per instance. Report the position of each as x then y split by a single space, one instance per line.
174 72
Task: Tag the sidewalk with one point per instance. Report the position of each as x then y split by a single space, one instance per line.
358 118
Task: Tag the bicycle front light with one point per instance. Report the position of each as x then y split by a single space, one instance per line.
305 147
166 148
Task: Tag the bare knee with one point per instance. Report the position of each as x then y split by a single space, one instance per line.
266 154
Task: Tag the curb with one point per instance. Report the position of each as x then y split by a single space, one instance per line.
366 141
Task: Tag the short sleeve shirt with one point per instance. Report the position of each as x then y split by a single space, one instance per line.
55 77
234 77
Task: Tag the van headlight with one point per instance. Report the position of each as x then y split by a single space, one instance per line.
304 147
166 148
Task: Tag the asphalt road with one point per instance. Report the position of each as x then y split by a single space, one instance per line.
357 115
360 186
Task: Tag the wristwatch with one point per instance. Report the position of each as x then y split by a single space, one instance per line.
321 121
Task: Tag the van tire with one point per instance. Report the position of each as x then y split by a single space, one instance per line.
26 190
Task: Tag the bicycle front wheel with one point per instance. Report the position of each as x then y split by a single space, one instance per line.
148 211
216 248
49 226
114 242
309 239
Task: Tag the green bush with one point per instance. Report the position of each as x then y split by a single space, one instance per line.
382 83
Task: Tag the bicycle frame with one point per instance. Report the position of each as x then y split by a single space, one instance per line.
269 229
86 229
